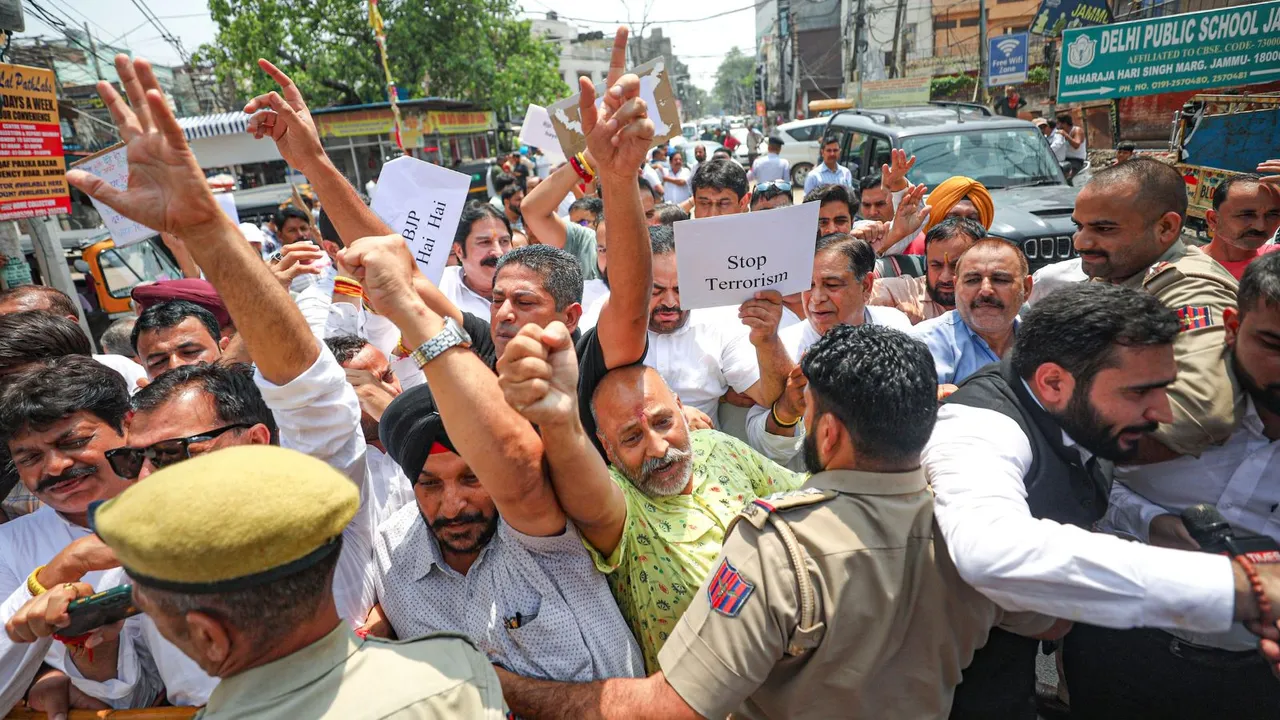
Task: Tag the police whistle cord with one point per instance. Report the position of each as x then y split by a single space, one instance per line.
1207 526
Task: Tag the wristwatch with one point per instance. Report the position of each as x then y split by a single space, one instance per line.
451 336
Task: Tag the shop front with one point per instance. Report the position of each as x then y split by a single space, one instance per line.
360 139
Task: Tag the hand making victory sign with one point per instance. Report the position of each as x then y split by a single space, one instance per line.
615 153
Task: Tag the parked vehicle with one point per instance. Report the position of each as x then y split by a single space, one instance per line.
802 146
1032 199
105 275
1218 136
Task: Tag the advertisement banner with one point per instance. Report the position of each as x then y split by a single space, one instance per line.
1193 51
33 180
444 122
1054 16
896 92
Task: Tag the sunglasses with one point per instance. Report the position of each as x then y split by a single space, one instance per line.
127 461
773 185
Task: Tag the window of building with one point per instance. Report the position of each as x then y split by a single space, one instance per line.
942 23
969 22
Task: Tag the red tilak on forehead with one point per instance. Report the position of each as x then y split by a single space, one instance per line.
437 448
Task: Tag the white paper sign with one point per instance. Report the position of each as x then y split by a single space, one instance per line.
726 260
227 202
112 166
538 131
422 202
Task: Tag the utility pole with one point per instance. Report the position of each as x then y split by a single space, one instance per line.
859 41
93 50
795 67
899 17
980 86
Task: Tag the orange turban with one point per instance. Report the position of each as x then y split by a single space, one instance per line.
953 190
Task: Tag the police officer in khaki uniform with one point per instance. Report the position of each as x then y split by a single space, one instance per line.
1130 218
232 556
876 623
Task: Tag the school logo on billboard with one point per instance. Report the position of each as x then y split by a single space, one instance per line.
1081 51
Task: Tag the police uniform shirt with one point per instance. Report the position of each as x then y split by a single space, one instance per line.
1202 398
341 677
895 623
771 168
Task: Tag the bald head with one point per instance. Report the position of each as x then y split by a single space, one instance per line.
38 297
644 433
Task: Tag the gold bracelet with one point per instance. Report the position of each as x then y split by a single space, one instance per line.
773 410
33 585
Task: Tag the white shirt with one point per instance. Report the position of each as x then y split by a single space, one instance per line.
570 627
131 371
591 313
1058 145
652 177
770 167
318 413
678 193
797 338
1241 477
25 544
976 461
463 297
706 357
1078 153
389 489
1054 276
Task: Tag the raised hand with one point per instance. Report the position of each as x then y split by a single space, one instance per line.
386 271
1270 171
538 374
287 121
893 177
167 191
910 215
762 314
619 132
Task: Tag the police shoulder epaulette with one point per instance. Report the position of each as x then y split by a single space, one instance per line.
757 511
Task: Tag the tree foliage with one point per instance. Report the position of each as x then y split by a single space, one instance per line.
467 49
734 80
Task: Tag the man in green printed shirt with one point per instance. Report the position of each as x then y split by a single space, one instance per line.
655 518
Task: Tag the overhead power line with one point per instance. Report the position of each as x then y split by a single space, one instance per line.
755 6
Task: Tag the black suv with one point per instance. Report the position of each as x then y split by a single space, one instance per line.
1010 157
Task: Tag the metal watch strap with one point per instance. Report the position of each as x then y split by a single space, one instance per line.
450 336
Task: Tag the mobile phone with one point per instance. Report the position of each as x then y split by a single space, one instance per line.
103 608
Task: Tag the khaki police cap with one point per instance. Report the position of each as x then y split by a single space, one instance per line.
229 520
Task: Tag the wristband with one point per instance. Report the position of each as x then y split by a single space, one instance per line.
773 410
33 585
582 171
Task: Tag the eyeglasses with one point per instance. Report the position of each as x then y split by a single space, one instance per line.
127 461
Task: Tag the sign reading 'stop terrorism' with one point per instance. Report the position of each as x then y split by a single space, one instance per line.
1195 51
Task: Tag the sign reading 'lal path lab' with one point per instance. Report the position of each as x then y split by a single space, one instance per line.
726 260
1194 51
422 202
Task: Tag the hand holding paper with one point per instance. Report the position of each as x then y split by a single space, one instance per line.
727 260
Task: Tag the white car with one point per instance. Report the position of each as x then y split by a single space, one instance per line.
802 146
